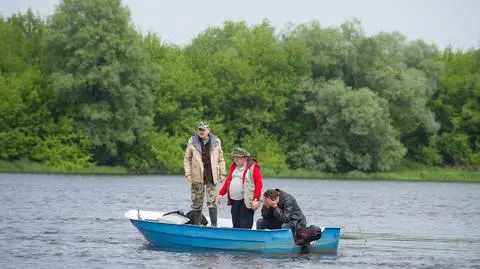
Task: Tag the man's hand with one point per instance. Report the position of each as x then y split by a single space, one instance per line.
269 203
254 205
222 178
189 178
219 199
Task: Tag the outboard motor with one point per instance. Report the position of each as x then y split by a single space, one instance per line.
305 235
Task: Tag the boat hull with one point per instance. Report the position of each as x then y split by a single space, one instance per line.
185 236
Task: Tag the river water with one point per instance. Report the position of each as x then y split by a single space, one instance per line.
52 221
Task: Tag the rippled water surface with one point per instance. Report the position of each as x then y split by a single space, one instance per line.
78 222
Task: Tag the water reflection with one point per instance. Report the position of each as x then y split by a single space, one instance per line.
217 254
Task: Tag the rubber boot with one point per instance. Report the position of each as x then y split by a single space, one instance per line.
213 216
197 217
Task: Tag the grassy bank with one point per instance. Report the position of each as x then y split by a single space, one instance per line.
408 170
34 167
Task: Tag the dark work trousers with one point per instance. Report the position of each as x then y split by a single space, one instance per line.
242 217
275 224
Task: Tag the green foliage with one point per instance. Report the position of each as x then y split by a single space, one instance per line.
63 147
11 103
156 151
457 106
21 36
101 72
248 75
431 155
22 166
28 131
455 148
326 49
352 129
85 88
178 101
267 150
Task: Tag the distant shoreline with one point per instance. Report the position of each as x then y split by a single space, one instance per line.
423 174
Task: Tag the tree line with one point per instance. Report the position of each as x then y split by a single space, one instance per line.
84 87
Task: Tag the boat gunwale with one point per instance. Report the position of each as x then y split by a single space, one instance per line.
210 227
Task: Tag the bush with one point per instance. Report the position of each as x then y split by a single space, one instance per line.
268 151
455 148
430 155
157 151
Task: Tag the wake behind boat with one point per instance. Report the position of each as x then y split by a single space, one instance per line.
171 231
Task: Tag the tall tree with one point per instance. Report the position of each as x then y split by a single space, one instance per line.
28 128
457 106
249 76
351 129
101 73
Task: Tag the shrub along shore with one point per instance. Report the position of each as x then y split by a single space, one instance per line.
408 171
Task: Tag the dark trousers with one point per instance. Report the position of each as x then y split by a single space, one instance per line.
275 224
242 217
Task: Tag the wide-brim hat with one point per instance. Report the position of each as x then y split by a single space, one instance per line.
240 152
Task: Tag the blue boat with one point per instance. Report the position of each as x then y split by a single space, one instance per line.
170 231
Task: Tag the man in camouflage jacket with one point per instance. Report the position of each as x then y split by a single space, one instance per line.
204 167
